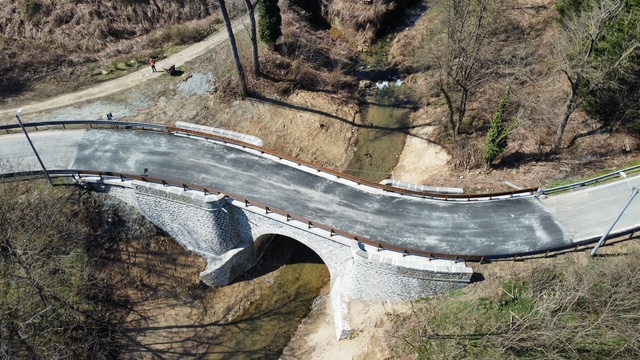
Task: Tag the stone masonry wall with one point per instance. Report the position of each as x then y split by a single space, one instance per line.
335 255
123 193
225 235
372 280
203 224
221 232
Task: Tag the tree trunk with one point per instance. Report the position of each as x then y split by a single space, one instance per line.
234 49
254 36
462 110
452 122
571 106
568 111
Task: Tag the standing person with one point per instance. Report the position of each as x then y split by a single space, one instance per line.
153 65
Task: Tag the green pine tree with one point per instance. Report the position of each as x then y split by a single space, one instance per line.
269 22
497 136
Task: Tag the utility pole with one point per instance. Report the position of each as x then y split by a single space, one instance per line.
46 174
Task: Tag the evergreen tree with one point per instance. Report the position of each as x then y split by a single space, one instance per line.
269 21
497 136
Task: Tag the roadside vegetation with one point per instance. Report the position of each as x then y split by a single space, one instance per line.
83 277
54 303
573 308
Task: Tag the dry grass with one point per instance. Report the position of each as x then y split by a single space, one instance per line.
568 307
361 20
307 58
46 39
90 26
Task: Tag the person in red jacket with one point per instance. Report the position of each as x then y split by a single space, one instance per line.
153 65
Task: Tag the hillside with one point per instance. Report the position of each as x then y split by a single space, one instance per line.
48 40
51 44
308 103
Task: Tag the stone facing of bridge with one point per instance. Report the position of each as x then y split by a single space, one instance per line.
232 237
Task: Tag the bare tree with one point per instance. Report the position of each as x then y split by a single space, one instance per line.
466 25
254 35
53 304
234 49
581 34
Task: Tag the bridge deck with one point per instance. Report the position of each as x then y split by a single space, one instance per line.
495 228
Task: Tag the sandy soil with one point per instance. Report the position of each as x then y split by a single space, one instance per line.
421 159
370 324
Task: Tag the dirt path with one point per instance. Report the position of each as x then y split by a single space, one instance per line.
128 81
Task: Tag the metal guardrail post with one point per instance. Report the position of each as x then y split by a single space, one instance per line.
46 174
604 237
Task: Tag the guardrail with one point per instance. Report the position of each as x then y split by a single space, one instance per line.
254 140
356 180
282 156
421 188
84 123
76 176
588 182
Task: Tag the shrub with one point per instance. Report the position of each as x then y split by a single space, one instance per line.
269 22
497 136
32 10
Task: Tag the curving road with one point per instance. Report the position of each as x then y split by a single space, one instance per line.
488 228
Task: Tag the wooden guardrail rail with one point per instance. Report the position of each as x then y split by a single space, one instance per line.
118 125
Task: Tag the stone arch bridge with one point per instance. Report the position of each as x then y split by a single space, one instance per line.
378 242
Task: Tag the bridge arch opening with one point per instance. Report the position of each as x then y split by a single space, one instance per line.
284 284
275 252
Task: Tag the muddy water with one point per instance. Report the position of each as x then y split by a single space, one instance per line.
265 327
384 122
380 139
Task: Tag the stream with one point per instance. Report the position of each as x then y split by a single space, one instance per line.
265 327
385 116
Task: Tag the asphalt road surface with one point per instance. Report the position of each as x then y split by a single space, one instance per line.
491 228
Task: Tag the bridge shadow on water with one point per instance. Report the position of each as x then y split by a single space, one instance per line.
244 337
169 313
280 252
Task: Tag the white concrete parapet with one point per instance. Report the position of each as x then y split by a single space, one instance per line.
442 269
422 188
340 305
221 132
